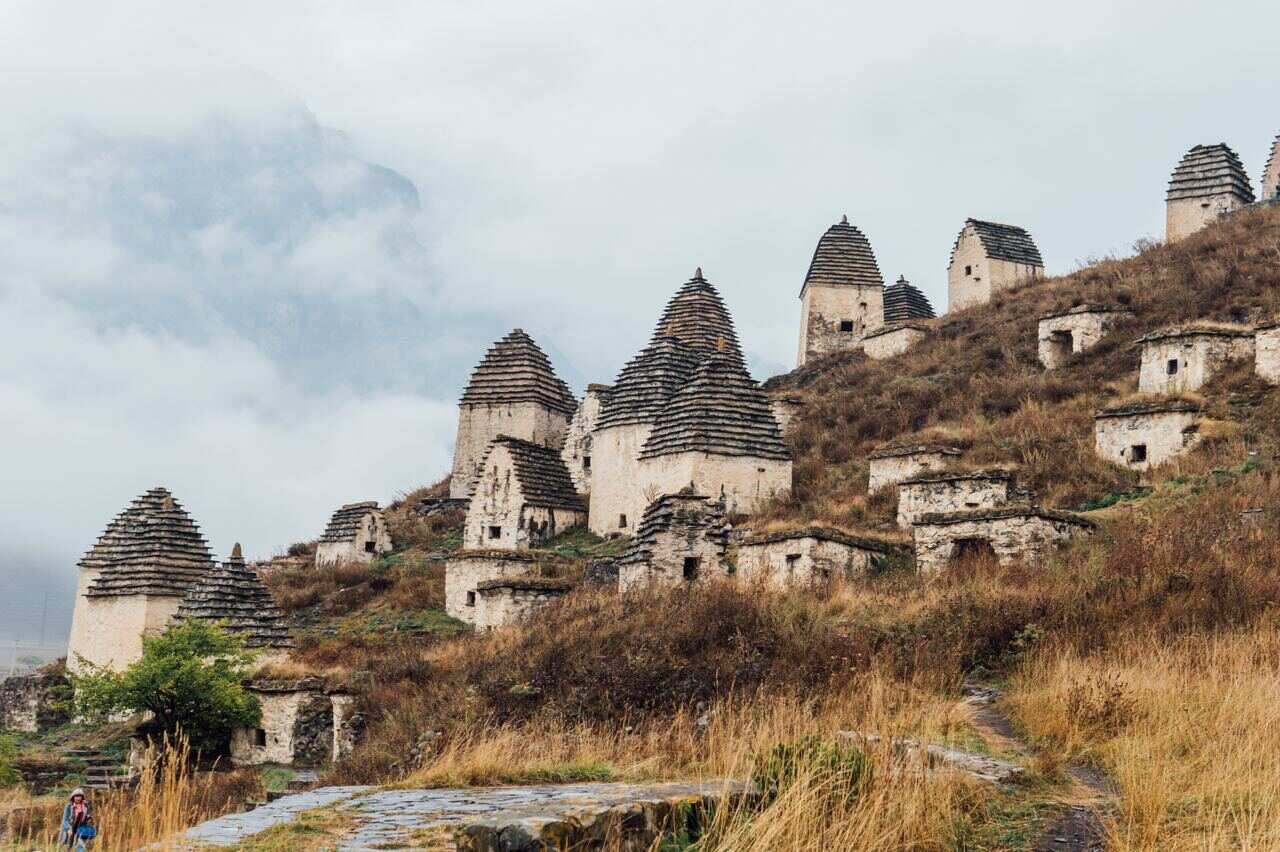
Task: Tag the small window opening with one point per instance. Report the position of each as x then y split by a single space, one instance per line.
691 564
495 532
471 598
1138 453
586 462
846 325
1172 367
862 306
259 737
968 270
622 521
793 559
370 547
1062 343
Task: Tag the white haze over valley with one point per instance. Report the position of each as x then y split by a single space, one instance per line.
251 251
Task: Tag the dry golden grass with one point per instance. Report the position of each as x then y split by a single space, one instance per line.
1188 730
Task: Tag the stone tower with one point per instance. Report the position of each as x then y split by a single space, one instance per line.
904 302
694 327
843 293
1209 182
987 257
134 579
1271 174
233 597
514 391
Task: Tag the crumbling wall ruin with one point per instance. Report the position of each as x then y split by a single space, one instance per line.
301 725
892 340
577 443
1068 333
806 557
1013 534
952 492
34 702
511 600
466 570
837 318
1267 353
1178 360
1144 435
890 465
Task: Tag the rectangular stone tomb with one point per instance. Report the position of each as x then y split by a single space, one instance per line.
952 492
513 599
1267 353
813 555
1143 435
465 570
890 465
1066 333
1007 535
891 340
1183 359
301 725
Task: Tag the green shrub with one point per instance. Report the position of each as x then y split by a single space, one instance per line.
8 754
839 767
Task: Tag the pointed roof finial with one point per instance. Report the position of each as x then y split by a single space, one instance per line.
902 279
697 274
236 553
844 219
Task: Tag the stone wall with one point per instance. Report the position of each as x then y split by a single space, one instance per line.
498 606
1267 355
464 571
890 342
785 410
618 496
1161 435
301 725
1199 357
886 470
951 493
577 443
34 702
1013 536
801 561
498 504
1185 216
984 276
1084 327
744 481
108 631
665 566
479 424
837 317
371 541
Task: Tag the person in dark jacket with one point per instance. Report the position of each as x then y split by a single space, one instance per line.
77 814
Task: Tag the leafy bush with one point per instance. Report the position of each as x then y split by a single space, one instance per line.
840 768
8 754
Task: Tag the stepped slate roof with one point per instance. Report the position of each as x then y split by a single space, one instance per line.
1210 170
903 301
1271 174
1179 331
516 370
687 514
695 325
151 548
843 257
234 595
345 523
1155 406
1002 242
721 411
823 534
544 479
550 585
1002 512
893 451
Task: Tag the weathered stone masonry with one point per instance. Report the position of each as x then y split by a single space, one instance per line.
952 492
513 599
1267 352
890 465
1066 333
843 293
1012 534
682 538
465 570
809 556
233 597
357 532
1174 360
1208 183
577 442
889 341
988 257
302 725
34 702
524 497
1146 434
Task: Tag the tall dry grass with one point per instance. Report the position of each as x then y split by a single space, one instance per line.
1189 730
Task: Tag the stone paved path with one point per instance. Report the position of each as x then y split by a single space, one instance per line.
506 818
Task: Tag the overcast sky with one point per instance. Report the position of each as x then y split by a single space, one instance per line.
251 250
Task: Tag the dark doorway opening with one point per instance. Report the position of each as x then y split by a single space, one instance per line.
691 565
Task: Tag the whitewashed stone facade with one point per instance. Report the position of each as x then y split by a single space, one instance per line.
682 538
1208 183
1271 175
465 570
523 497
809 556
301 725
988 257
357 532
1011 534
1066 333
929 493
1145 435
891 340
785 410
744 482
1267 353
843 293
577 442
511 600
1176 360
890 465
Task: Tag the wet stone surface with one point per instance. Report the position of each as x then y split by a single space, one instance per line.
513 819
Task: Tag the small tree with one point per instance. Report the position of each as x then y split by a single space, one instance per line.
190 678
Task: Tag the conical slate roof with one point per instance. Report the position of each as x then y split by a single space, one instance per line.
685 514
151 548
544 479
697 317
722 411
903 301
516 370
647 382
345 523
843 257
1210 170
234 596
1002 242
1271 174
